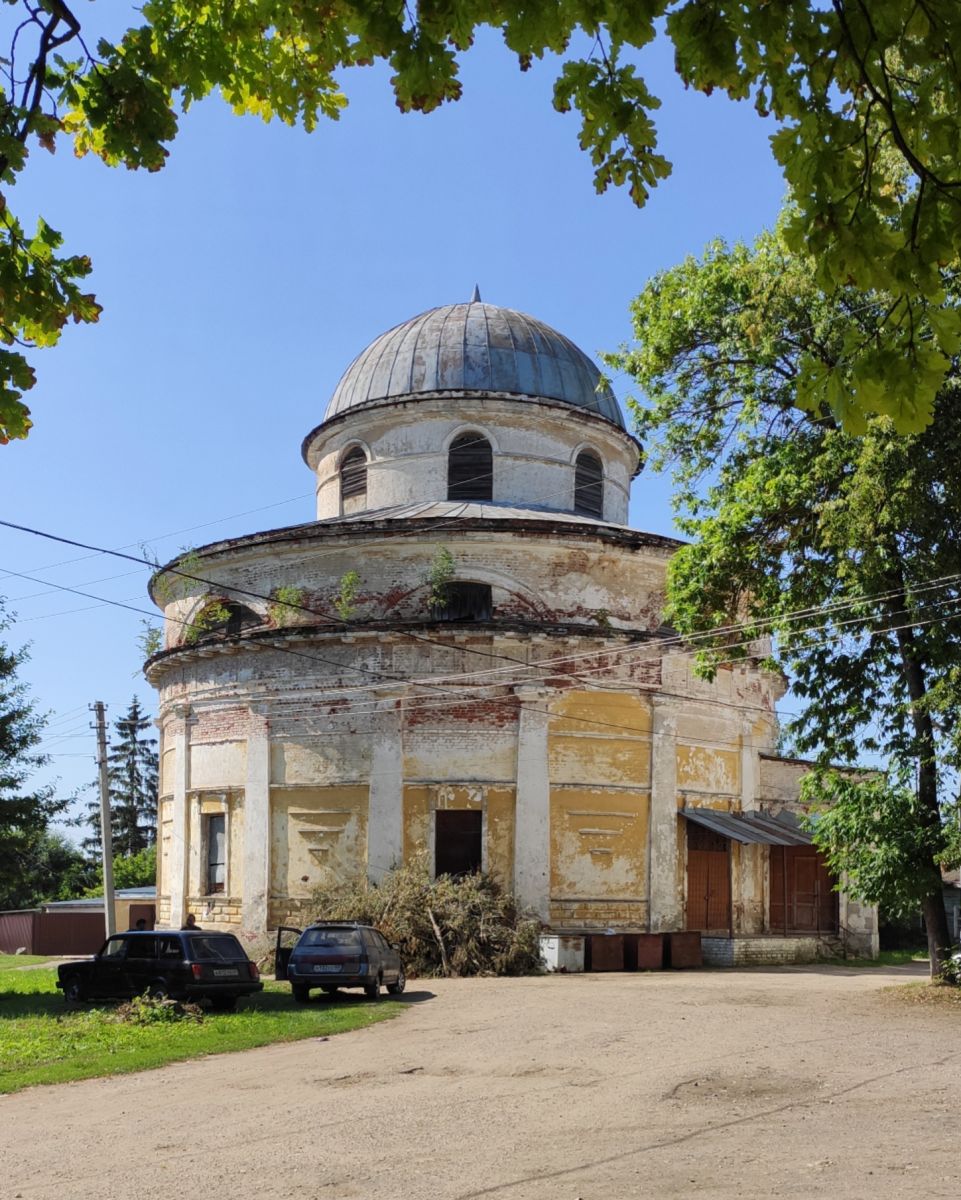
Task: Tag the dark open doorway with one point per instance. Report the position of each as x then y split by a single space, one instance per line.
457 841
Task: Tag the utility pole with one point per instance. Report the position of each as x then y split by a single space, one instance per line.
106 828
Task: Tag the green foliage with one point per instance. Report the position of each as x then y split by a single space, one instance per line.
25 812
287 605
874 834
447 926
151 1010
951 971
864 100
207 620
129 871
347 594
52 868
150 640
439 575
846 549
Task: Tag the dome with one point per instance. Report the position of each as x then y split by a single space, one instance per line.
474 347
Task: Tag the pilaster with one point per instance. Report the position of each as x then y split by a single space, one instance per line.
385 804
180 841
255 883
666 899
532 820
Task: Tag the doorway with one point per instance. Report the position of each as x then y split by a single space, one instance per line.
708 880
803 899
458 841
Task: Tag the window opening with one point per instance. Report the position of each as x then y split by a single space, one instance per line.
216 853
353 474
589 485
457 841
470 468
465 602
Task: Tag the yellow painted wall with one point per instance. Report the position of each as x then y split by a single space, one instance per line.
318 835
496 800
598 844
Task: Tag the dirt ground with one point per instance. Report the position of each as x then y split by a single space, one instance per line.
790 1082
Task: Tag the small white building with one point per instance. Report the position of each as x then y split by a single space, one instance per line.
463 656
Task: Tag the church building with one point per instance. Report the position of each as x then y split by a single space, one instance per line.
463 657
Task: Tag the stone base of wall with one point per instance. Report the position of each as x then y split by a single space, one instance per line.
765 951
221 912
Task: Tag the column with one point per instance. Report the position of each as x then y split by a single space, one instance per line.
666 901
180 840
749 885
532 819
385 802
255 870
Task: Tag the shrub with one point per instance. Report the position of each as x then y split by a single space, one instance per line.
951 970
468 925
151 1010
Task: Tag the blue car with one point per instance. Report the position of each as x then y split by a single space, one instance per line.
330 955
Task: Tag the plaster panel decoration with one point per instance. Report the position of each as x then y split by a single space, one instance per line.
319 836
600 738
218 764
339 756
708 769
598 844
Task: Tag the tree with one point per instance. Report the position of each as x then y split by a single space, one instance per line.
54 869
852 86
846 548
133 787
130 871
24 811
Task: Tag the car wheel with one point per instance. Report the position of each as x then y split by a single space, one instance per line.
372 990
301 994
73 991
223 1003
159 990
395 989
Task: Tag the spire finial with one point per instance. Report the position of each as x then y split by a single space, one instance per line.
475 298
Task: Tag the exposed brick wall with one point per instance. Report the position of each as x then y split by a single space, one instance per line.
760 951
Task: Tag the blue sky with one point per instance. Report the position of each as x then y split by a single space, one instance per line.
240 281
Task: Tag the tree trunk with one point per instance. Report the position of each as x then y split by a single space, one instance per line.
913 672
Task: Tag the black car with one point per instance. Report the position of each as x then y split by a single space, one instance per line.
182 964
338 954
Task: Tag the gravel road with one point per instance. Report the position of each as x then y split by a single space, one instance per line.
792 1082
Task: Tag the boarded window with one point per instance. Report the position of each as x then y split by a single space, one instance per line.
457 841
353 474
465 602
589 485
470 468
216 853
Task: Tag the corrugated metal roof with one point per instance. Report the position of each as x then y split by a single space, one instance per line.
474 347
751 827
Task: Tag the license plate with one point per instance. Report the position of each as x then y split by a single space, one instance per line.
327 968
220 973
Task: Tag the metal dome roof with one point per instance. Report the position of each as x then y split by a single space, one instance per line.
474 347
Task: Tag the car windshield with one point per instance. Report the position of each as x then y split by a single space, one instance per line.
332 937
224 948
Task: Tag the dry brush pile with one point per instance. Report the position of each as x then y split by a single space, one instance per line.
468 925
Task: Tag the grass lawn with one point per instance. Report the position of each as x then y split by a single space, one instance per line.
21 960
44 1041
886 958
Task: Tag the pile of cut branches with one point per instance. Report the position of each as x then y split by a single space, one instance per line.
469 925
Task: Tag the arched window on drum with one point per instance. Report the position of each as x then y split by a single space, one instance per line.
353 481
589 485
470 468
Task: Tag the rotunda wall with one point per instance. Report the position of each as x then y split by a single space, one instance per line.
546 576
534 446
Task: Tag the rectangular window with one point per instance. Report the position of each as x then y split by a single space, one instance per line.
216 853
457 841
